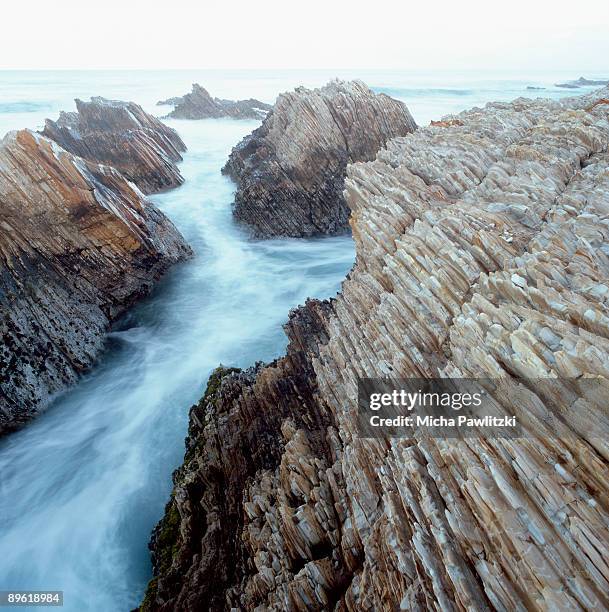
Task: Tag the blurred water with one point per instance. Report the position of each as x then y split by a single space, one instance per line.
82 486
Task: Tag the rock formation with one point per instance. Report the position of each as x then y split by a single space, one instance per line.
78 244
290 172
200 105
123 135
583 82
482 250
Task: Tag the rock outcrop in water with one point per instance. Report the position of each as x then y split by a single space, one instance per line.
78 245
200 105
482 251
123 135
290 172
583 82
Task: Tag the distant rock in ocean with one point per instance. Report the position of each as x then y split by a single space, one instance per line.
531 88
78 245
123 135
290 172
583 82
200 105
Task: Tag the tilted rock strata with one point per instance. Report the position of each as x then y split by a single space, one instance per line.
200 105
78 244
290 172
482 251
123 135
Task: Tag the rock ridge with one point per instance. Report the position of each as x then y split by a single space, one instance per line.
79 243
290 172
198 104
123 135
482 250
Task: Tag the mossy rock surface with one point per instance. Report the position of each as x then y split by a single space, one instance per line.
166 536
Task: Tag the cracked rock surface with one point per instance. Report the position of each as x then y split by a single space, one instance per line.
290 172
79 243
482 250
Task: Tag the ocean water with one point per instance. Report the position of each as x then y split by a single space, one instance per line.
82 486
28 97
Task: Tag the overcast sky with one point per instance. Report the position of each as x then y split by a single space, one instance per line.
425 34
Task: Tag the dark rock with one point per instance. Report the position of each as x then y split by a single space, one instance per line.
235 434
123 135
200 105
290 172
78 245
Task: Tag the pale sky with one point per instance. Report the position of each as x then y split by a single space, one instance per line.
426 34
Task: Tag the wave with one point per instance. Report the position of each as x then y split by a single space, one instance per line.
23 107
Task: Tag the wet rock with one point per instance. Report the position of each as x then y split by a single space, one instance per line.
282 506
290 172
78 245
123 135
200 105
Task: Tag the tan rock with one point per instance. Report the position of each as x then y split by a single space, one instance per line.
482 251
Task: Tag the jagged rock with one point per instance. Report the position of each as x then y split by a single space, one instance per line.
583 82
482 250
170 101
290 172
123 135
78 245
200 105
591 82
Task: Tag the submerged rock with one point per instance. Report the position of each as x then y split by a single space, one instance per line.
78 245
290 172
123 135
482 251
200 105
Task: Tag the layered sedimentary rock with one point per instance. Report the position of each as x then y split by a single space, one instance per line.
78 244
482 251
200 105
290 172
123 135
